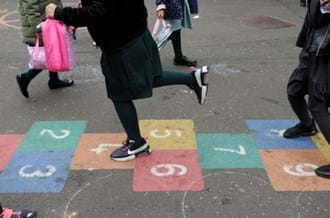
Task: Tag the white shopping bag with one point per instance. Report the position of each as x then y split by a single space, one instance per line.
161 32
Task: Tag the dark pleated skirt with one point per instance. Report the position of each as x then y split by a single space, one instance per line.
130 70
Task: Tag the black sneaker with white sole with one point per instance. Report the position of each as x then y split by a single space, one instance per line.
200 86
130 150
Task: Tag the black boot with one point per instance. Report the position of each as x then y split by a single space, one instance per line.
323 171
23 84
185 61
56 84
300 130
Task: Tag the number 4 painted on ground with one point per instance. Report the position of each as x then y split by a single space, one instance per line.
241 150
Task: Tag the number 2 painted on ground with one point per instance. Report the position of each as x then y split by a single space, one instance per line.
65 133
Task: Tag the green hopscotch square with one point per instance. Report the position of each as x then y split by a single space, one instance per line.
221 151
53 136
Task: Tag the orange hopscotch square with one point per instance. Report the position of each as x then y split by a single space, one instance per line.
8 147
168 170
293 170
93 152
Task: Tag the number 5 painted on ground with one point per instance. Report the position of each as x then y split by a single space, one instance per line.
168 132
299 169
65 134
241 150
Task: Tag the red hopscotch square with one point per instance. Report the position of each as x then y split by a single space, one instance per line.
8 147
168 170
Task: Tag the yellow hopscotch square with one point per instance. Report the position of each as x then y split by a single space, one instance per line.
322 145
169 134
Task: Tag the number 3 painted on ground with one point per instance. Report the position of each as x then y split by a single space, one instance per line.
299 169
167 132
65 134
170 170
38 173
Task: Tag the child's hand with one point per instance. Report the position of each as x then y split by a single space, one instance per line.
160 13
50 10
324 2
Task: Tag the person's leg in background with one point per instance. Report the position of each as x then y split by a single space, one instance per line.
135 143
9 213
320 112
54 82
297 89
179 58
24 80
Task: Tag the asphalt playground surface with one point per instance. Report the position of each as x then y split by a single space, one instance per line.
249 46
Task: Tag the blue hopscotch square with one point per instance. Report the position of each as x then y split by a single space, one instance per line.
36 172
53 136
222 151
269 135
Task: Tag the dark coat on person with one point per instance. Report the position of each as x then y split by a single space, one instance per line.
32 13
174 8
130 58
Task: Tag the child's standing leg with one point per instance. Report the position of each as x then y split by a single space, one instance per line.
135 143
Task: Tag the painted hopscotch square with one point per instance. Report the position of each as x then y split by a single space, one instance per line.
171 170
8 147
322 145
169 134
269 135
36 172
221 151
53 136
293 170
94 151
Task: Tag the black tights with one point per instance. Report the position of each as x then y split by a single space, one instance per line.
30 74
127 112
176 42
299 106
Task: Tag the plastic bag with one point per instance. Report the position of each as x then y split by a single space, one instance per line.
59 46
161 32
37 57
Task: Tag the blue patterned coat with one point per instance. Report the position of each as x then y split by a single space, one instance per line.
174 8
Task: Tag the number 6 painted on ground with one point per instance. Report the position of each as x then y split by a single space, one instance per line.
299 169
171 170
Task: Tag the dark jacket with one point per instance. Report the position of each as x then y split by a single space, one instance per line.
314 19
32 12
111 23
174 8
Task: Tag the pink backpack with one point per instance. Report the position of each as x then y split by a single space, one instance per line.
59 46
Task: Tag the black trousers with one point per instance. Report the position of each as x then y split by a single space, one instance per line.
297 89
